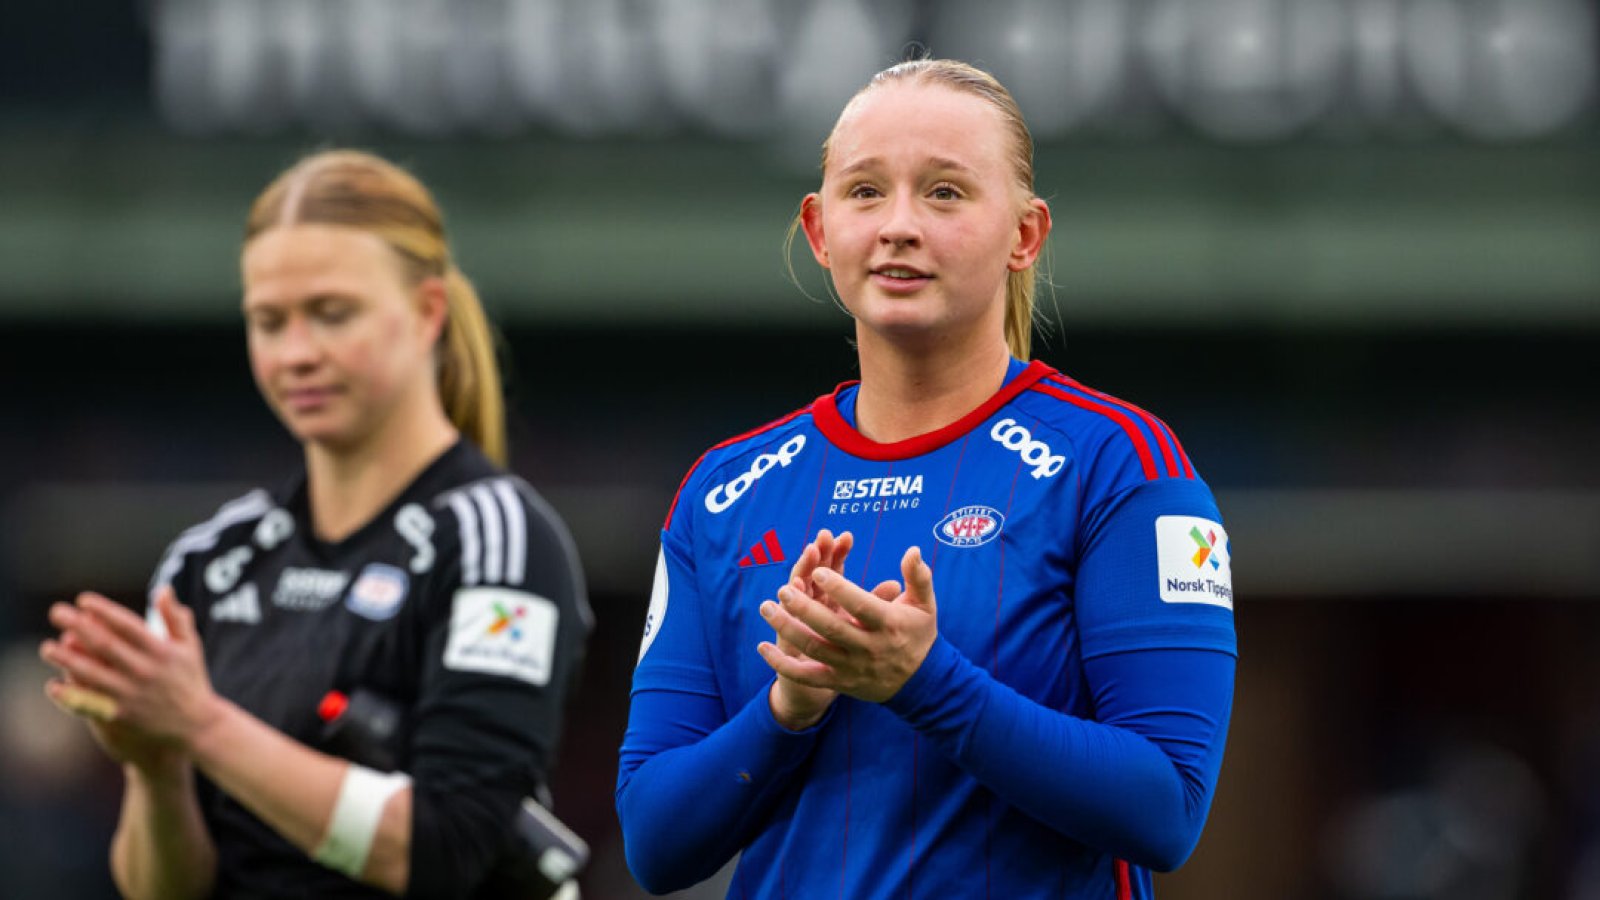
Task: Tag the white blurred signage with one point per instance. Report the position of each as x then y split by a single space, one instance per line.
1236 70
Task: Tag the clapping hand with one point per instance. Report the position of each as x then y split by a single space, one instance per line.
840 637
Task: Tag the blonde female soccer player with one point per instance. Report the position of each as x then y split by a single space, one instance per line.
402 560
1052 725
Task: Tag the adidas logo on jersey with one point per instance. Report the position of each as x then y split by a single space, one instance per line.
765 552
242 606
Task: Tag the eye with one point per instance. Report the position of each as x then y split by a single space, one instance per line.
334 312
863 192
945 192
263 322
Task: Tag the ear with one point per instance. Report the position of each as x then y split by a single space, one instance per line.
433 305
811 224
1032 231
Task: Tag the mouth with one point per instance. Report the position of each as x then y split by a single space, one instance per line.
307 399
900 277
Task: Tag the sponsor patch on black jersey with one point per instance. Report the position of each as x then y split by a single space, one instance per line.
378 592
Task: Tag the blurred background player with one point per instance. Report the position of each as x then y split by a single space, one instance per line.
403 561
1054 724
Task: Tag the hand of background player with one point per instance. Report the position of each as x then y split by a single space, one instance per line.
795 705
864 644
159 686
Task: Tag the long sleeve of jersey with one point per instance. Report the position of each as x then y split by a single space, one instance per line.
694 786
1137 780
1136 783
693 782
487 721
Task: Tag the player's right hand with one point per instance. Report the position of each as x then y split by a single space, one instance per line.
795 705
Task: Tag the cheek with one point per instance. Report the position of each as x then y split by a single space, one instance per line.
260 361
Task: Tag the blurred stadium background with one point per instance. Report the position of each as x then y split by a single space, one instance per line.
1349 249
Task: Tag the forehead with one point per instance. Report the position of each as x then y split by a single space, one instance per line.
920 121
294 262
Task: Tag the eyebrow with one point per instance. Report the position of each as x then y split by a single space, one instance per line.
937 162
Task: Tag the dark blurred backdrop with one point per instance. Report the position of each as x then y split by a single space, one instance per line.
1348 249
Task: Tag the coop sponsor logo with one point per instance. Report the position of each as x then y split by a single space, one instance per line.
719 498
1034 453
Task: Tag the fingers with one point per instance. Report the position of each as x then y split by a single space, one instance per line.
179 618
87 634
799 634
805 562
81 701
799 669
867 608
841 550
919 579
84 669
122 621
887 590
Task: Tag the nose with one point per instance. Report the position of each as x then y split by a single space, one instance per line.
901 226
297 347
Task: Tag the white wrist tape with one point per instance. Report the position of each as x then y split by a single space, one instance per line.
355 818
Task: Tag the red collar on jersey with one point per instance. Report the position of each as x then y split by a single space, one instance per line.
825 412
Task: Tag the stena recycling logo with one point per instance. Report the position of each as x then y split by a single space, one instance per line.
719 498
969 526
1012 436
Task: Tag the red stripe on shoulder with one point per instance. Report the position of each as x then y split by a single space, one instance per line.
1124 883
1162 431
733 440
1140 445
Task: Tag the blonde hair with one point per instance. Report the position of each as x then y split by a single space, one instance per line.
968 79
360 190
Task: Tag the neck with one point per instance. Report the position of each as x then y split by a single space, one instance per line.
348 486
910 391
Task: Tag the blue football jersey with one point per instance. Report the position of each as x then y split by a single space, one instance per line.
1062 526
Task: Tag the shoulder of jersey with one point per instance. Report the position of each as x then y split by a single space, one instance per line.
234 523
786 436
1098 423
486 521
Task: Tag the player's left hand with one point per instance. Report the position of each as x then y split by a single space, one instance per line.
870 645
159 686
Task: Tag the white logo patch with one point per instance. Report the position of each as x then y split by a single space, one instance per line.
243 605
500 631
969 526
723 496
414 524
378 592
308 589
876 494
224 571
1195 562
274 528
1034 453
658 604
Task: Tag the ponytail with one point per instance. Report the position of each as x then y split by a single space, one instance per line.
469 378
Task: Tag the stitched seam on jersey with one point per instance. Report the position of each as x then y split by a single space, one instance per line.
822 471
1161 430
727 443
1141 446
951 493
